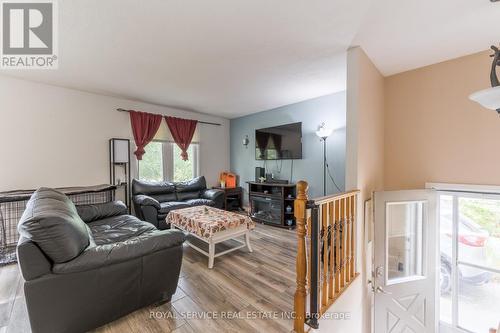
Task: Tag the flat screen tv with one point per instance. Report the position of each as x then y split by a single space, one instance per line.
279 143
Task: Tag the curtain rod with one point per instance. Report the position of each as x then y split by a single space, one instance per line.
201 122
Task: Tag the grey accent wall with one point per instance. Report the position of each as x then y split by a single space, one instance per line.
330 109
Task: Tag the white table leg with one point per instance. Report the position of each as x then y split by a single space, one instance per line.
247 240
211 253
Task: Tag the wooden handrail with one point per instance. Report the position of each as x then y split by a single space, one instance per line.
300 293
336 220
328 198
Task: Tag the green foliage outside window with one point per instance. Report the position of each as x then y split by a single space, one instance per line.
183 170
484 212
151 165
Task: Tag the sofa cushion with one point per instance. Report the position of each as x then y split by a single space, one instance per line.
165 197
152 188
160 191
200 202
168 206
109 254
94 212
184 196
118 229
52 222
190 189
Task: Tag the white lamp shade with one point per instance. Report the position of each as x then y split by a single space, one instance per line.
120 151
488 98
323 131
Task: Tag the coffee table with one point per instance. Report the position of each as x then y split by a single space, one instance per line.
212 225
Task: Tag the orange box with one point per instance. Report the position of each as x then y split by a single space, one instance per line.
229 178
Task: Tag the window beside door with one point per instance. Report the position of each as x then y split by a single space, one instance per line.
162 161
470 279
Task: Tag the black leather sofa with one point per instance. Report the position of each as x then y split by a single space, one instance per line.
86 266
153 200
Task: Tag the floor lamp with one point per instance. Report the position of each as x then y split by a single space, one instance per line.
323 132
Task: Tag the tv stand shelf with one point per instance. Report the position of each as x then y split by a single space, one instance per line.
272 203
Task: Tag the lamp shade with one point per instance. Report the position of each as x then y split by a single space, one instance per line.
488 98
323 131
120 150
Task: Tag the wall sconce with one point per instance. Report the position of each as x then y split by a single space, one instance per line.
246 141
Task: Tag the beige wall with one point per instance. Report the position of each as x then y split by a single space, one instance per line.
57 137
409 129
370 157
364 171
433 132
366 105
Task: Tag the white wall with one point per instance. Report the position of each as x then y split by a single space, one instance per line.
57 137
364 171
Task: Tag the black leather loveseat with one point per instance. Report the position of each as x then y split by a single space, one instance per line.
153 200
87 266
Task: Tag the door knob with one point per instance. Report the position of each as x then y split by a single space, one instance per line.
382 291
372 286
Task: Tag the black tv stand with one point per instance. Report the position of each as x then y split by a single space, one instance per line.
275 181
272 203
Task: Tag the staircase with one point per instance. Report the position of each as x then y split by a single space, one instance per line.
326 253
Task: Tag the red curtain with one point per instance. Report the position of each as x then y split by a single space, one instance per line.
182 131
144 127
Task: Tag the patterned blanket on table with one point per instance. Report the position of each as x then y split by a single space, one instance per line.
204 221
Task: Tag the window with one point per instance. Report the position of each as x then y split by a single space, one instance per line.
183 170
151 165
470 261
162 161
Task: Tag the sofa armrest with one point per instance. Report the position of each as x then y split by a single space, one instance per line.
89 213
217 196
32 261
144 200
212 194
108 254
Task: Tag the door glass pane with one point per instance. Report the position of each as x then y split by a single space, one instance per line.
404 221
479 235
479 303
445 242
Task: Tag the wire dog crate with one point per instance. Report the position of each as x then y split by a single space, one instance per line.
13 204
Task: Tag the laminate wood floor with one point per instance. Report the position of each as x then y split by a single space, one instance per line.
244 292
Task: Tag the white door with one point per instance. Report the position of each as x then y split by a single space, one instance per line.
405 252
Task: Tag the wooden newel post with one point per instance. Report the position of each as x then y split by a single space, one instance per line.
301 264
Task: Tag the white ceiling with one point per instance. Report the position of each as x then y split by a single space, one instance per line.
225 57
232 58
402 35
